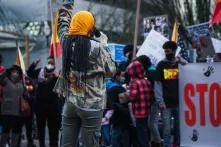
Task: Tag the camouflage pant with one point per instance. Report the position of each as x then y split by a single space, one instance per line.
77 121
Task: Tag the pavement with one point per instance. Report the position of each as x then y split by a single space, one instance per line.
24 140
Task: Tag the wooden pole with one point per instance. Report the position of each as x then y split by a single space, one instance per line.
136 28
27 51
52 14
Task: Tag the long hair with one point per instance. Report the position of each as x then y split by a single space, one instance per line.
76 51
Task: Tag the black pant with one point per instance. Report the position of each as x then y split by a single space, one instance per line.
48 114
133 137
11 123
142 131
28 122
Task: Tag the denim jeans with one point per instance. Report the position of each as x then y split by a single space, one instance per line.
153 123
142 131
105 134
167 114
77 121
120 137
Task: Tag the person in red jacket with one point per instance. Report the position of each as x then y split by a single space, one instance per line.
2 69
138 94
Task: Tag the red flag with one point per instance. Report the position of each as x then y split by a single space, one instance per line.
55 46
216 16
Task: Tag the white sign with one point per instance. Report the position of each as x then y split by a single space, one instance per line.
152 47
200 105
216 45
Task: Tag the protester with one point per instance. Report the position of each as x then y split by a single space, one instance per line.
166 92
154 113
37 74
120 120
128 53
29 120
138 94
47 108
115 81
85 64
11 108
2 70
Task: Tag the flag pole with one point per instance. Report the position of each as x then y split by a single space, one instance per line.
27 50
136 28
52 28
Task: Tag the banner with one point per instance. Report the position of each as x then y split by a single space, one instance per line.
200 105
157 23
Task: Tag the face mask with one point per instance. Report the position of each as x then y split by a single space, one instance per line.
14 76
50 66
122 79
170 56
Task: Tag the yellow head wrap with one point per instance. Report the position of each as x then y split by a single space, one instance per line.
82 23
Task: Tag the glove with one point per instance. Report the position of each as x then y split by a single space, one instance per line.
103 39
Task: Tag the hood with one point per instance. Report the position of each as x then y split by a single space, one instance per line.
135 70
2 69
111 83
82 23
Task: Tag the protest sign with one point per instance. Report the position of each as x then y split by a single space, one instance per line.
200 109
201 35
157 23
152 47
216 45
117 52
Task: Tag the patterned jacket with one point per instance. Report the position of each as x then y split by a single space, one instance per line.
101 65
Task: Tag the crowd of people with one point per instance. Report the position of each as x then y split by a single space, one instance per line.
92 100
26 99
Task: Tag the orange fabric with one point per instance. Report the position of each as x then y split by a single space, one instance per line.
82 23
218 1
175 33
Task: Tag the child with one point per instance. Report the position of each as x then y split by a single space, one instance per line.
138 94
118 114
